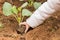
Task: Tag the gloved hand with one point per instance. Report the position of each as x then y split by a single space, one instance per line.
26 25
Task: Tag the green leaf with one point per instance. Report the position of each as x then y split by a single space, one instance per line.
37 5
7 9
14 10
26 12
24 5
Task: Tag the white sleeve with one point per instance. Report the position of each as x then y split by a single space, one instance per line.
43 12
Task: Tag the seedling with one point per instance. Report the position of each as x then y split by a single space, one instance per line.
20 12
9 9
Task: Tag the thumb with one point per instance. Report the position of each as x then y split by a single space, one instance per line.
27 27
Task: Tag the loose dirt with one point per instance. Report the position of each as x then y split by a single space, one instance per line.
49 30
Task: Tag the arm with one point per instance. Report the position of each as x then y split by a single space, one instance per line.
43 12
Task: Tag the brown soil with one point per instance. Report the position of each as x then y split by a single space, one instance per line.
49 30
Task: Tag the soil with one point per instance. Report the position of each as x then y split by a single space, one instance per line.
49 30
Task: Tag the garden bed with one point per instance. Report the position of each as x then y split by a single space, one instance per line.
49 30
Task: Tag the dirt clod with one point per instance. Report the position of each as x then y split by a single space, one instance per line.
22 38
21 29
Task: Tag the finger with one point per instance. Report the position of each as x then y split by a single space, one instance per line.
22 23
26 28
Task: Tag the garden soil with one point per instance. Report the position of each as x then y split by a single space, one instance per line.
49 30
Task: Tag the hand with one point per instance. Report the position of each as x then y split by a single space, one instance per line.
26 25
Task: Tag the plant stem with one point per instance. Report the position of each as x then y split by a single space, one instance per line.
15 17
22 18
